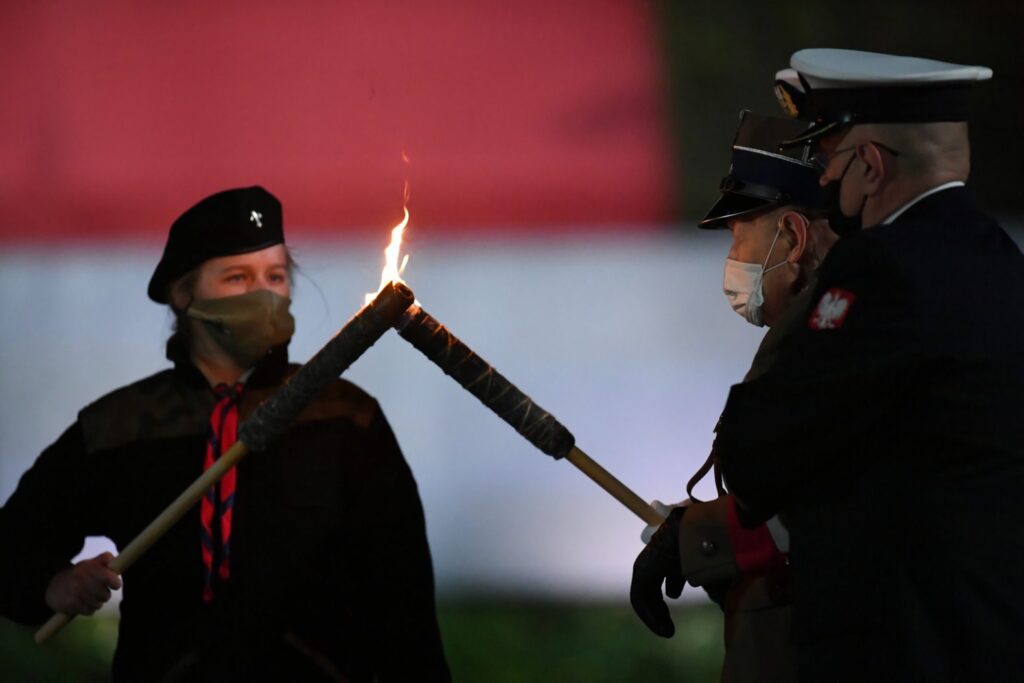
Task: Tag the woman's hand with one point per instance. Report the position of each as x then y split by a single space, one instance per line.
84 588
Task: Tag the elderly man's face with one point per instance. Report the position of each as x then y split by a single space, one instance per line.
752 237
854 161
834 155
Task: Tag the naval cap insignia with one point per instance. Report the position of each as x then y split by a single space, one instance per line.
784 96
257 218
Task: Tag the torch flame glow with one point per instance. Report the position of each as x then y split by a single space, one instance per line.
393 270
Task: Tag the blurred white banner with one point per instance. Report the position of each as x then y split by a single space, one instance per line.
627 340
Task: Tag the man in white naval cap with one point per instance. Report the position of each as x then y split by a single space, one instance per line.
888 432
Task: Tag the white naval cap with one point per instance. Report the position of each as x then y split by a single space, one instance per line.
834 88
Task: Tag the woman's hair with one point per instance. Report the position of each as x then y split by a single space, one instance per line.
179 344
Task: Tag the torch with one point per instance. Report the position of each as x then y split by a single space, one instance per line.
480 378
270 419
539 427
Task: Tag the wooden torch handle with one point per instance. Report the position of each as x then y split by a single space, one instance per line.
272 417
158 527
52 625
609 483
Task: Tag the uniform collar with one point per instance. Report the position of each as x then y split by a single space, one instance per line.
927 193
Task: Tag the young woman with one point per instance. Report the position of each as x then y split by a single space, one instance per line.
291 568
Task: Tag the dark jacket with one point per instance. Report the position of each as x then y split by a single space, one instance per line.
742 569
889 433
330 571
754 592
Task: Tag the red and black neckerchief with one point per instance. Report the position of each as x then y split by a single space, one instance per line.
217 504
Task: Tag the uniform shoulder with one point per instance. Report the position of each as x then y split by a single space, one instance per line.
153 407
129 392
945 232
340 399
861 253
344 390
942 224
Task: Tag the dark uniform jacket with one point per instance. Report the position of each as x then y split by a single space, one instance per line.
889 433
754 592
330 571
752 583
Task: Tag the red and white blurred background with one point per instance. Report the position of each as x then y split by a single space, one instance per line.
541 178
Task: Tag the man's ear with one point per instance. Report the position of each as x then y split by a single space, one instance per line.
874 167
794 230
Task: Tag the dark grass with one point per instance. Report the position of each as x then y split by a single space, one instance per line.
505 642
486 641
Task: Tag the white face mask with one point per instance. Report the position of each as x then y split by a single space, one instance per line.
743 284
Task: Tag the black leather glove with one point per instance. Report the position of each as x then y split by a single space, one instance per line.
657 563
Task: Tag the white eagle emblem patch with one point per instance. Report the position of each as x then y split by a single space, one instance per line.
831 310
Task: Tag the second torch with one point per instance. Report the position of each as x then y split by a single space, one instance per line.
538 426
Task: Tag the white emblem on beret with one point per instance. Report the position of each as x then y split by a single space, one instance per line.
257 218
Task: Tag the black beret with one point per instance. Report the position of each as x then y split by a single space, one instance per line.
231 222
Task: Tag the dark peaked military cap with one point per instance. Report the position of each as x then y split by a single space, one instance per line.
761 175
231 222
834 88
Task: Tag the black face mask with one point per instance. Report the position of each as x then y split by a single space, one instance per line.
840 223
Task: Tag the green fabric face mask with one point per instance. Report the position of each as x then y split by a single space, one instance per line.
246 326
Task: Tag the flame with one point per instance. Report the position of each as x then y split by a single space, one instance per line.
393 270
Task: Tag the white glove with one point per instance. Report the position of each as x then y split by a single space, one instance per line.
780 534
663 510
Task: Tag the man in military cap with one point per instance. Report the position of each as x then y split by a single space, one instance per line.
774 207
898 396
290 569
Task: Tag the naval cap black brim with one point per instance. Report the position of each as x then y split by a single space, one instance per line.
834 107
732 205
818 130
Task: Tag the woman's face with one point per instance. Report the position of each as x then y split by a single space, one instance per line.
232 275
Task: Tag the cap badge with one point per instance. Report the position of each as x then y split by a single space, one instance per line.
786 101
257 218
